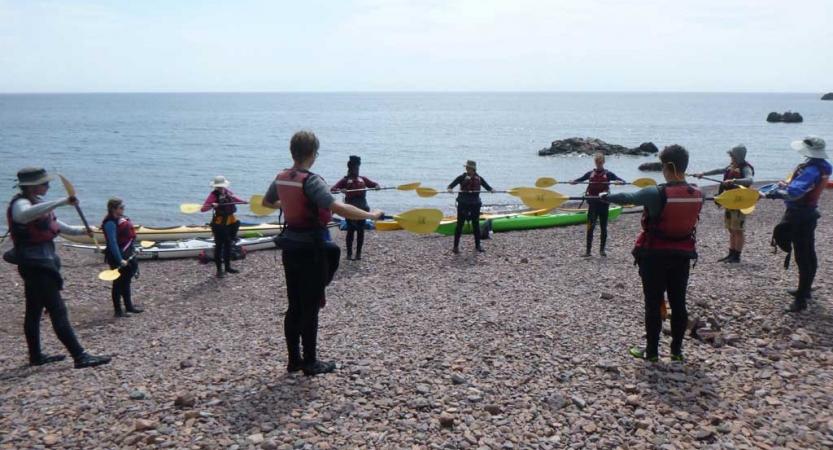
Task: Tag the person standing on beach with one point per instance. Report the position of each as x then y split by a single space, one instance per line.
34 227
358 198
665 248
120 235
309 257
599 180
468 203
224 225
738 173
801 197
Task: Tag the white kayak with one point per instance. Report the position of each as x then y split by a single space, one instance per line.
189 248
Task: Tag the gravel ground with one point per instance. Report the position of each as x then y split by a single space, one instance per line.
524 346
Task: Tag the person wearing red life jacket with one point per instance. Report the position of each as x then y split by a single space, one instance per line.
353 182
119 252
599 180
665 248
309 257
224 225
468 203
738 173
801 197
33 228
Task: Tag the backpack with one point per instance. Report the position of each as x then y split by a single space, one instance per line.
781 239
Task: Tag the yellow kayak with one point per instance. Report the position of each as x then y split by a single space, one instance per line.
392 225
181 232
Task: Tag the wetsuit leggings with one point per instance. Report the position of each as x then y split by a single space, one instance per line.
42 291
660 275
470 213
224 235
306 280
121 287
597 212
803 237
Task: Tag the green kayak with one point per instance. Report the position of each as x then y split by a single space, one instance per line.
521 222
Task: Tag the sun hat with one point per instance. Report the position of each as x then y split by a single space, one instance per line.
471 164
220 181
811 147
33 176
739 152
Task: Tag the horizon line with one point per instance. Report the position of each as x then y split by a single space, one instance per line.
407 92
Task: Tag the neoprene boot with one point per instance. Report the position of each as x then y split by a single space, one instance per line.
456 249
87 360
798 305
128 304
603 243
349 242
589 243
118 312
230 269
42 359
727 257
359 244
735 258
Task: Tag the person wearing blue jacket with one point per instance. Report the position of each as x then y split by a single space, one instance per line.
119 253
801 197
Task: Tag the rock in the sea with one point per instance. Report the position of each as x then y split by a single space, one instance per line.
591 146
827 96
651 167
787 117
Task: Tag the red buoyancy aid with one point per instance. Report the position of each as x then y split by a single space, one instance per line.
673 231
300 213
125 233
470 183
733 173
810 199
352 184
599 182
43 229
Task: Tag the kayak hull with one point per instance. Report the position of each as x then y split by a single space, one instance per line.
190 248
526 222
184 232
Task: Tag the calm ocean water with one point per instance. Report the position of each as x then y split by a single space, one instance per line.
157 151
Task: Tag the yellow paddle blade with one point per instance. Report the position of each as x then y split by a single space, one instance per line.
420 221
190 208
407 187
255 204
537 198
109 275
749 210
737 198
147 244
67 185
426 192
789 177
545 182
643 182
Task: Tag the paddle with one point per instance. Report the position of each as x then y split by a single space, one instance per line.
71 192
147 244
419 221
256 205
426 192
545 199
544 182
401 187
112 275
190 208
747 210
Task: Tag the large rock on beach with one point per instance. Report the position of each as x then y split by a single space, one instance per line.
787 117
827 96
651 167
591 146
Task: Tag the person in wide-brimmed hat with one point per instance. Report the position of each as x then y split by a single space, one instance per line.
224 225
738 173
33 227
801 197
354 187
468 203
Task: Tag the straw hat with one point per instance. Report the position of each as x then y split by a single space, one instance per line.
220 181
33 176
811 147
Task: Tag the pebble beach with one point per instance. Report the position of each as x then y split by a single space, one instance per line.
521 347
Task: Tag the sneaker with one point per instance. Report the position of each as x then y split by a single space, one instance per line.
45 359
231 270
677 356
318 367
602 254
640 354
135 310
88 360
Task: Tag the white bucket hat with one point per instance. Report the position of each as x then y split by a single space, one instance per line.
220 181
811 147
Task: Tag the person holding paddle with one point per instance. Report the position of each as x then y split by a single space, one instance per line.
224 225
119 252
665 248
468 203
801 197
33 227
738 173
354 187
310 258
598 181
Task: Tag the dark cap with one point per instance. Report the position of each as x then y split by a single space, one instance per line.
354 161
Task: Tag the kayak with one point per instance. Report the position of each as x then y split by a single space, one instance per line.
183 232
190 248
392 225
528 222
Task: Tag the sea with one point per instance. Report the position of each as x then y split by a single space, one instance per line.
158 151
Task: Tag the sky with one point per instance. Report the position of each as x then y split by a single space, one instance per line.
415 45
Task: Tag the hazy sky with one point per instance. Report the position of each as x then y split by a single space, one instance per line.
416 45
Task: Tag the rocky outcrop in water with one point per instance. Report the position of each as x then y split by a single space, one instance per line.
787 117
651 167
827 96
591 146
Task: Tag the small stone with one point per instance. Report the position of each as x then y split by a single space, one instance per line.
269 445
446 420
142 425
578 401
704 434
50 439
422 389
606 296
524 260
492 409
630 388
632 400
589 428
643 424
187 363
458 379
255 439
186 400
137 395
133 439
